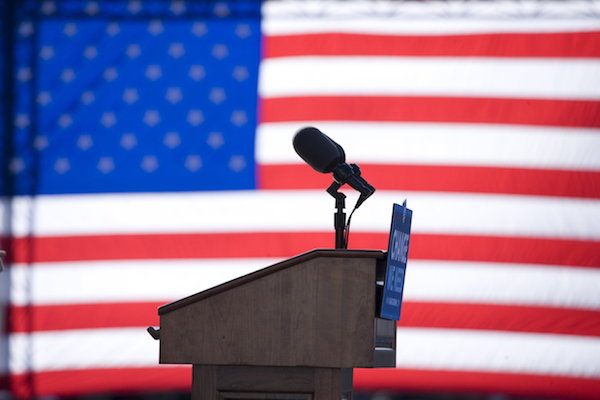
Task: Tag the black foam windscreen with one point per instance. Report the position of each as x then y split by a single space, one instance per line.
318 150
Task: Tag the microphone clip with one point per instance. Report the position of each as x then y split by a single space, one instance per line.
350 174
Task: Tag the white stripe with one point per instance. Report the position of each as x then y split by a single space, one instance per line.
523 353
123 281
4 297
491 145
81 349
431 281
436 349
431 17
3 354
180 212
5 211
307 210
431 76
410 25
498 283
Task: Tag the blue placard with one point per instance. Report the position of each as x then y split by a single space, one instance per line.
396 262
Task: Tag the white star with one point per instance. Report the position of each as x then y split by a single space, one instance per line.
24 74
43 98
221 10
237 163
133 50
110 74
128 141
197 72
220 51
62 165
177 7
92 8
108 119
85 142
70 29
87 97
47 52
239 118
151 118
67 75
176 50
149 163
155 27
172 140
16 165
65 121
240 73
106 164
40 142
22 121
195 117
243 31
215 140
113 29
193 162
26 29
174 95
153 72
217 95
90 52
134 6
48 7
130 95
199 29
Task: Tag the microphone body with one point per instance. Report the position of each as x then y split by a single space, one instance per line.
318 150
324 155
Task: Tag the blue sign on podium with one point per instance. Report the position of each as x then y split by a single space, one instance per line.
396 262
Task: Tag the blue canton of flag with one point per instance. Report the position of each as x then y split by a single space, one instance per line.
142 105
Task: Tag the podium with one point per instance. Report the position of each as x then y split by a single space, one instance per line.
293 330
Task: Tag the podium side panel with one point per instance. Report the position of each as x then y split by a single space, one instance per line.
319 313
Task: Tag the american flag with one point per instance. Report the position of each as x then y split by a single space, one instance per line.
140 166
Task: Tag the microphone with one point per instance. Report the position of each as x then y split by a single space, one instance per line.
318 150
324 155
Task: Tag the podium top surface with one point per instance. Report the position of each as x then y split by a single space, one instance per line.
375 254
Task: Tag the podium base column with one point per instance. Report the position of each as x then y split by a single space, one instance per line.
236 382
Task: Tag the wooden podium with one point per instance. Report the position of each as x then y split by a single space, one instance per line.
294 330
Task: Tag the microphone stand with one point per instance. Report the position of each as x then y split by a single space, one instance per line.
339 218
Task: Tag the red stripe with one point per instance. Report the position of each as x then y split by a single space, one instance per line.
505 250
500 318
572 44
287 244
144 380
537 386
573 113
94 381
414 314
444 178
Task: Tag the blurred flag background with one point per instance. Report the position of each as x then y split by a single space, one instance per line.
146 155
